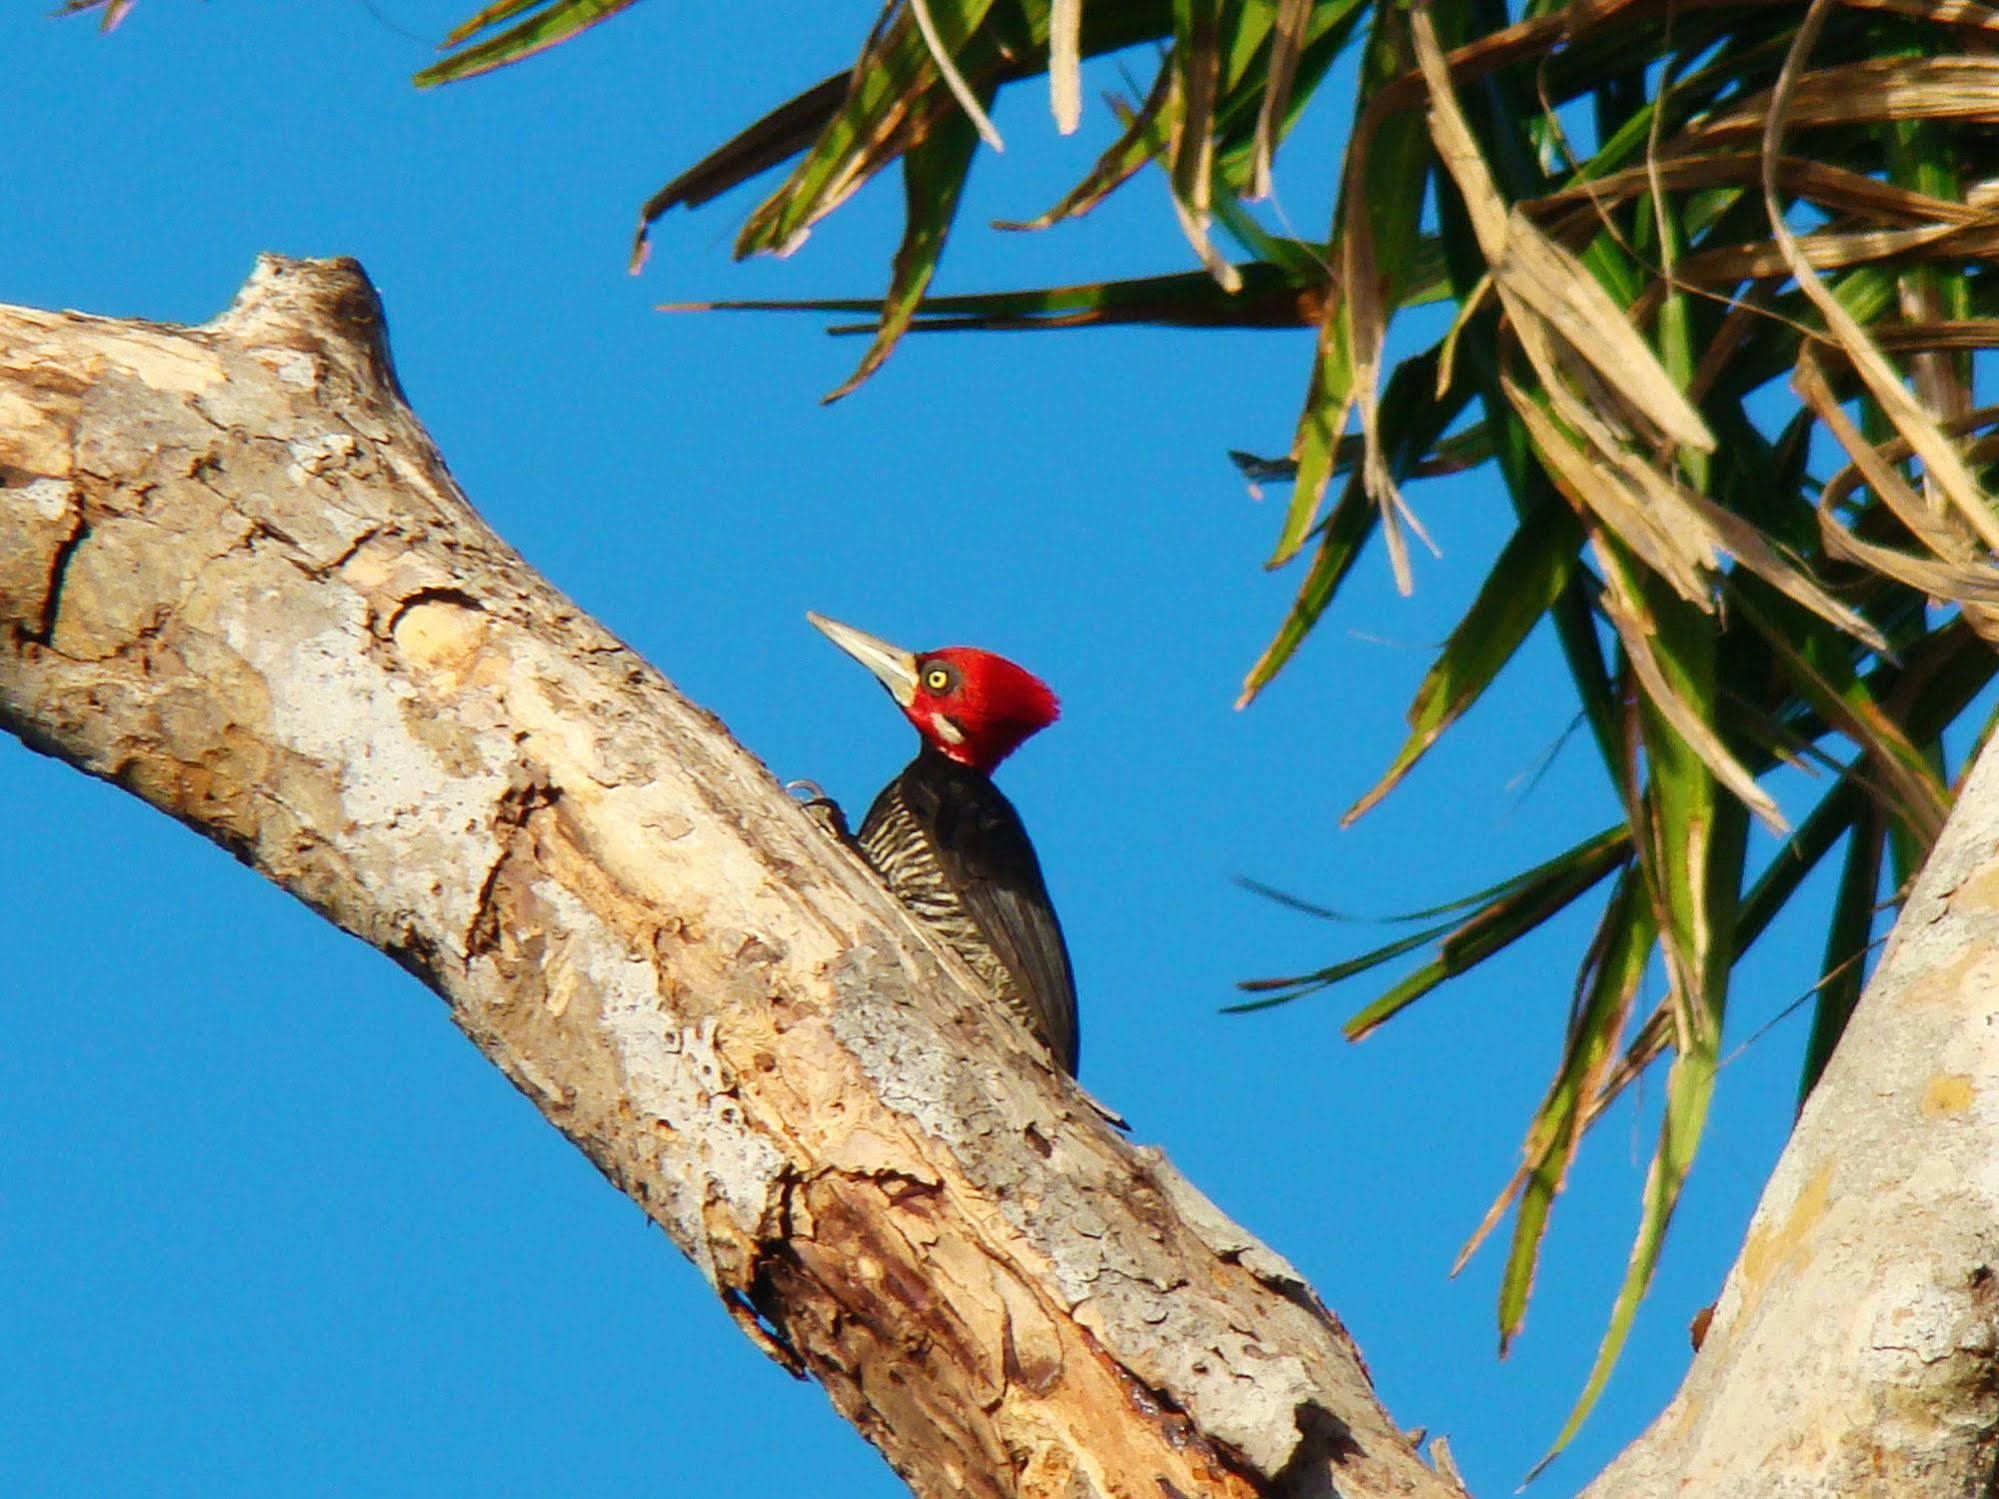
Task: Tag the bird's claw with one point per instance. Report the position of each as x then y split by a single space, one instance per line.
821 808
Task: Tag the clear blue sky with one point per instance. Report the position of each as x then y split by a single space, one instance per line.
271 1226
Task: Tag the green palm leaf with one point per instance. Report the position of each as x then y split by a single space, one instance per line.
552 22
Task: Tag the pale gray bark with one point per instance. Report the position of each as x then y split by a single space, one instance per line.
1852 1350
236 579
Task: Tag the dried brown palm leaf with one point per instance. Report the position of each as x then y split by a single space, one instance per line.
1597 489
1942 531
1065 64
1543 283
1287 36
1574 214
1874 91
1635 632
1940 459
1949 243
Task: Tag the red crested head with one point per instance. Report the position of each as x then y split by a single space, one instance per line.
970 705
976 707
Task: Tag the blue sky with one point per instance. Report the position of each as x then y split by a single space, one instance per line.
272 1226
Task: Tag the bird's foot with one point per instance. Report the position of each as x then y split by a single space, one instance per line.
821 808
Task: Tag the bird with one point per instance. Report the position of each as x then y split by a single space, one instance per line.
946 841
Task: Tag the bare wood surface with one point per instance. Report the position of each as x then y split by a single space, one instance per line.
236 579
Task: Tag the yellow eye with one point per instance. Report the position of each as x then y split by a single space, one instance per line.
937 679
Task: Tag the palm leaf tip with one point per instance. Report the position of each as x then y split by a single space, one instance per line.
555 22
769 142
114 11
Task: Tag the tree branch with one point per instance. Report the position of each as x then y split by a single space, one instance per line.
1852 1351
236 579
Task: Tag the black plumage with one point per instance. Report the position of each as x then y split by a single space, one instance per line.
951 847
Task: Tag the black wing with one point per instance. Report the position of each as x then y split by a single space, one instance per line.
952 819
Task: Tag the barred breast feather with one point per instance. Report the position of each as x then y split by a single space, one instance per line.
950 846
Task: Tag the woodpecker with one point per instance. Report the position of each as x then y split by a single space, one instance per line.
945 840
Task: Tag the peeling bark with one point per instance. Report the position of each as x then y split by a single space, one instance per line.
236 579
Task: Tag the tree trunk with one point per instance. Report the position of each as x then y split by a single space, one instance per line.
236 579
1852 1350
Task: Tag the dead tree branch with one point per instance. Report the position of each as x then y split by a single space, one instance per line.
237 580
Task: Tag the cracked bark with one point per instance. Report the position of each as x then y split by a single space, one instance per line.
236 579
